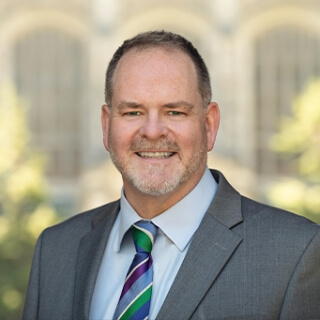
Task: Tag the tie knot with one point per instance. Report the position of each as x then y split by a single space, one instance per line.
144 235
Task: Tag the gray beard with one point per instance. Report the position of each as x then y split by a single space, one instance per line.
152 185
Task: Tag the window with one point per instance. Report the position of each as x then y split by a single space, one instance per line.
49 74
285 60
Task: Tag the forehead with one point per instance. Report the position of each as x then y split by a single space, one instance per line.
159 61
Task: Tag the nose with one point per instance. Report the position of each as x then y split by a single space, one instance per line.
153 127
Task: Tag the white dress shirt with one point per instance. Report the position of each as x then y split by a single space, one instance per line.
176 228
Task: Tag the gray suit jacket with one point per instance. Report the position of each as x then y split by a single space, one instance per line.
245 261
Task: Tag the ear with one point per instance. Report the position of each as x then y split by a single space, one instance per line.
212 123
105 115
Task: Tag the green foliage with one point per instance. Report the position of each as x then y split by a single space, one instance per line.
24 209
299 136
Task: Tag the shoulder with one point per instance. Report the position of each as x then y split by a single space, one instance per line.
257 213
262 220
83 222
257 210
280 225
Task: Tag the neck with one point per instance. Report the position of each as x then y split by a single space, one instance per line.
149 206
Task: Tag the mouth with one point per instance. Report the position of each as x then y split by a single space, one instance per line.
155 155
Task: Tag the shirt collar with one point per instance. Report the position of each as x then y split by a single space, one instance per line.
179 222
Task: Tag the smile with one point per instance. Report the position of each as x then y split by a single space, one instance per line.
155 155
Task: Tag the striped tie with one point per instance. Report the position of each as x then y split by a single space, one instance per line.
134 302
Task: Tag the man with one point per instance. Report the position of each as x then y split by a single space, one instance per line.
216 255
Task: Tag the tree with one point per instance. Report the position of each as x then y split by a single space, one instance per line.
24 206
299 136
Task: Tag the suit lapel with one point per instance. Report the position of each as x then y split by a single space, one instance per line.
90 253
211 248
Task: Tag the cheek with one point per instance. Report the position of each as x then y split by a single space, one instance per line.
191 138
120 136
199 139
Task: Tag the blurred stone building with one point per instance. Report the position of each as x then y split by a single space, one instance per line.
260 55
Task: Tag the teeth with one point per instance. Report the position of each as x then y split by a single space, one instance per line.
156 155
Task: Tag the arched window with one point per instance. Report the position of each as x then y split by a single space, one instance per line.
285 59
50 76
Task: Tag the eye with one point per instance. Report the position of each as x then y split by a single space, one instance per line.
132 113
175 113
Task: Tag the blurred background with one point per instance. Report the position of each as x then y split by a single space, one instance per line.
264 60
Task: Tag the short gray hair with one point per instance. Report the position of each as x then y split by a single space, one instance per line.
167 40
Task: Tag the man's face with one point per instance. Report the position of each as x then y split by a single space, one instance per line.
157 130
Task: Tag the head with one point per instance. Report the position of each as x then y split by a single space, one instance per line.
158 122
166 40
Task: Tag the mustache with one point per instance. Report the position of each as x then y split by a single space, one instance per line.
160 145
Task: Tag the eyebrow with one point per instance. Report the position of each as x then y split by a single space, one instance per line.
180 104
124 104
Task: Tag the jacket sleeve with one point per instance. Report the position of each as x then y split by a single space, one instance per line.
302 299
31 305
